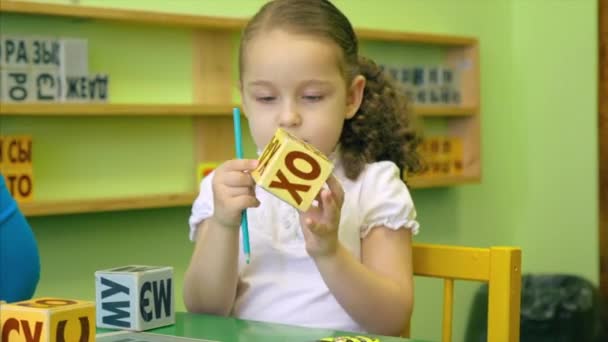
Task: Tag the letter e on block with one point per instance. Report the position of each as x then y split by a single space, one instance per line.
48 320
135 297
292 170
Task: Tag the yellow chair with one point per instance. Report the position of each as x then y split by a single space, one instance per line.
500 267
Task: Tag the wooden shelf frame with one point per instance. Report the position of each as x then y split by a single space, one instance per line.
435 182
122 15
81 206
40 109
212 86
76 109
446 111
203 22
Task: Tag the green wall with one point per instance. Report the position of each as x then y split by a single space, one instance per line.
555 89
539 143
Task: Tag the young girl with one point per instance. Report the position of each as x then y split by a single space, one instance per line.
346 263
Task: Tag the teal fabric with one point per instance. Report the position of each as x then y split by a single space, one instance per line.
19 258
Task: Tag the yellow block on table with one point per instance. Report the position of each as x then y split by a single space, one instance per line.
292 170
48 320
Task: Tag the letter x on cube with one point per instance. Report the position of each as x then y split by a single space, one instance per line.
292 170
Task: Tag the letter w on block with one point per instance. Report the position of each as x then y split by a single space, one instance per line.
135 297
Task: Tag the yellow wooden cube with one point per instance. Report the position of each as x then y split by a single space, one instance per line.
457 156
48 320
423 152
19 182
434 156
204 169
292 170
16 151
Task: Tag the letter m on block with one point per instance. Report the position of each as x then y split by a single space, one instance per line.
119 309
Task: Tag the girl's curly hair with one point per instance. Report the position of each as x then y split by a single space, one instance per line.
382 128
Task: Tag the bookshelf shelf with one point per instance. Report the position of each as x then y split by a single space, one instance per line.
79 206
213 43
113 110
204 22
437 181
10 109
76 206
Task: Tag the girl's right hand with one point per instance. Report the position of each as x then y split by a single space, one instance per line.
233 191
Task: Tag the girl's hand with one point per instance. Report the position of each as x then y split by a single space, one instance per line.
320 224
233 191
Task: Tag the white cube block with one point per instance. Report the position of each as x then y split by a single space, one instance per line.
433 87
433 75
74 57
14 52
3 88
47 87
85 88
74 88
434 95
99 88
134 297
18 86
448 76
406 76
44 52
445 95
422 96
456 97
419 77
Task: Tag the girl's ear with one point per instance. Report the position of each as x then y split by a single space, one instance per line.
354 97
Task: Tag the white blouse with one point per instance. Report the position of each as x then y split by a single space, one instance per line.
282 284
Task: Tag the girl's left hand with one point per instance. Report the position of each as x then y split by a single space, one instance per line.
320 224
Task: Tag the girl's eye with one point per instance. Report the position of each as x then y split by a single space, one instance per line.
265 99
313 98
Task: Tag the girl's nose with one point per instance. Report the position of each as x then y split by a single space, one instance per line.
289 118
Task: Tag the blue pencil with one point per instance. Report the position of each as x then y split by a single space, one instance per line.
236 115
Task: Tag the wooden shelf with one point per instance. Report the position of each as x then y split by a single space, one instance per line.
212 84
106 204
445 111
113 109
205 22
432 182
83 109
76 206
121 15
414 38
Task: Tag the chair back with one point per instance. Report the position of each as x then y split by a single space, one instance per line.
500 267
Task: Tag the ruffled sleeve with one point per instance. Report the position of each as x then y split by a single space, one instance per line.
385 199
203 205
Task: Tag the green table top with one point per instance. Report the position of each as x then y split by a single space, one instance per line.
228 329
